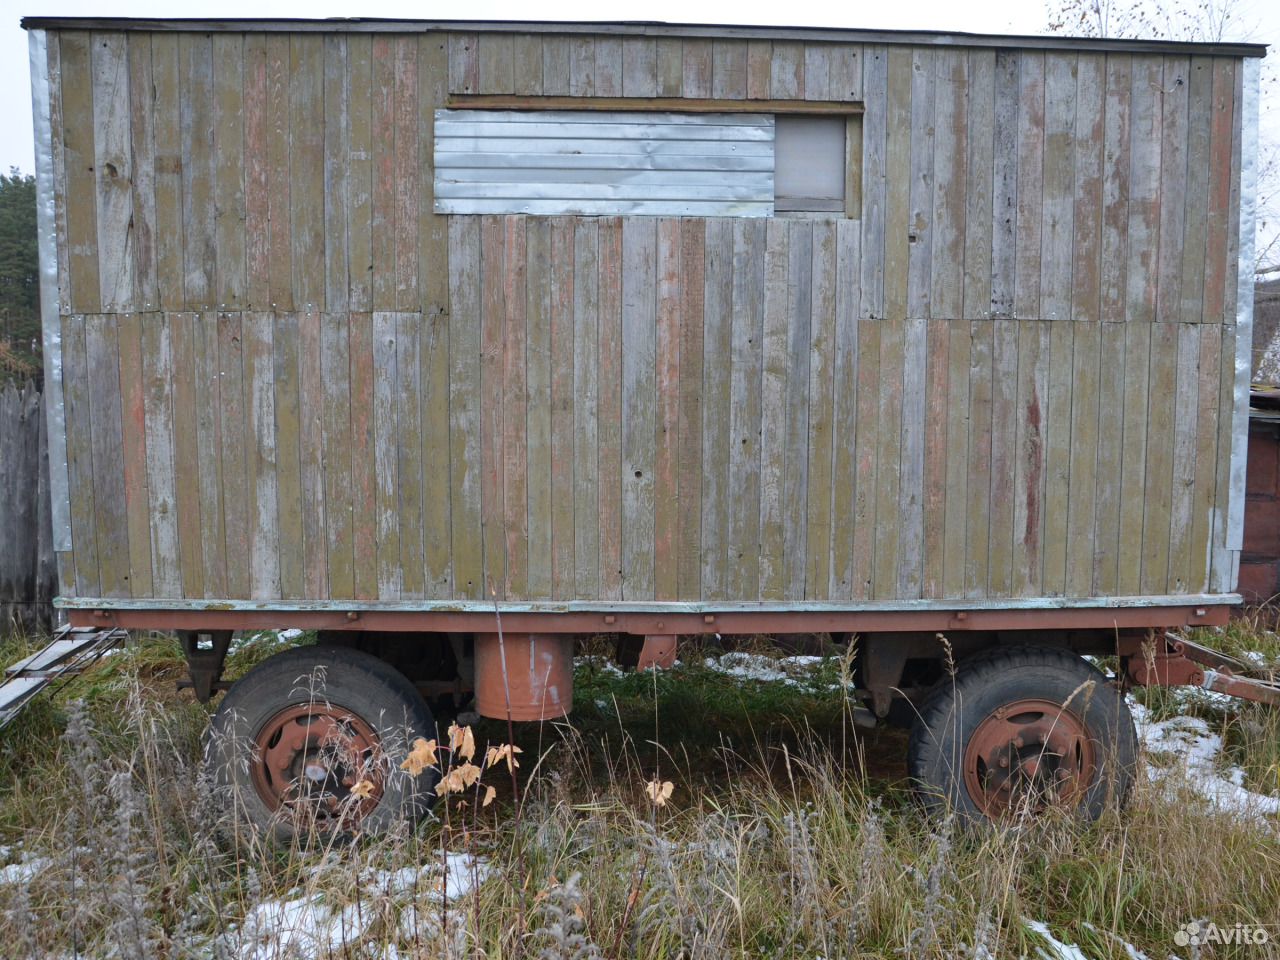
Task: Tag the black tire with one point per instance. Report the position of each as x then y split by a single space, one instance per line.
942 744
348 690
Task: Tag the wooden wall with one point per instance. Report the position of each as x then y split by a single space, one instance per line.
287 378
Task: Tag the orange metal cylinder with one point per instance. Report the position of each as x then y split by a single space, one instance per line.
531 673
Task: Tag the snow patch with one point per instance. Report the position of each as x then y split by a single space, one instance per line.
25 870
1195 751
793 671
1054 949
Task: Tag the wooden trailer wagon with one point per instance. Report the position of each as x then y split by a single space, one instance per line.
454 341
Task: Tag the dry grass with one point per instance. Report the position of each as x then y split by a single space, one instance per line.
785 836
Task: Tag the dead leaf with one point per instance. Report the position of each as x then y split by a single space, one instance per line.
659 793
489 794
503 751
362 790
422 755
462 741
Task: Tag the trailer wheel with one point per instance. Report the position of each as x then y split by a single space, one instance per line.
309 743
1019 729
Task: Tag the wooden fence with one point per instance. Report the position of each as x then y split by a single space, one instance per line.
28 572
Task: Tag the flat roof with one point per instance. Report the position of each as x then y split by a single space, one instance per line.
649 29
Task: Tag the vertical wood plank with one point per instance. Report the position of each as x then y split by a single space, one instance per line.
1026 292
955 531
773 391
979 191
639 67
359 172
759 66
364 488
1144 189
920 222
608 67
586 388
311 391
1086 280
433 291
1133 466
337 157
1223 571
406 174
183 332
1058 208
464 411
786 70
846 71
493 319
288 438
382 233
264 558
539 417
1196 196
638 406
729 70
1004 186
1220 175
670 67
582 67
280 252
1004 455
157 366
1111 454
817 71
692 288
338 414
464 63
1185 448
386 462
716 405
978 505
211 446
795 477
911 481
935 457
564 568
1085 411
1057 457
410 451
84 530
515 451
666 490
609 419
228 184
103 368
949 178
821 397
527 66
1207 431
58 150
1175 124
845 410
1158 493
742 574
874 144
133 454
898 188
1115 187
1028 504
496 55
80 205
866 461
697 68
113 169
200 249
234 453
555 65
257 204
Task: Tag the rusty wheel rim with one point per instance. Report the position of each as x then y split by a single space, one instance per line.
309 759
1028 755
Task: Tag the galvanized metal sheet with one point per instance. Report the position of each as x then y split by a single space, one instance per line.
603 163
1244 304
47 244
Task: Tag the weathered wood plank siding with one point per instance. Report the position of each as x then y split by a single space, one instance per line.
288 378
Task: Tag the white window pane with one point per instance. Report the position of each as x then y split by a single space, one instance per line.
809 163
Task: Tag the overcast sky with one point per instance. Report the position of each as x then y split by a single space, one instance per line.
1255 20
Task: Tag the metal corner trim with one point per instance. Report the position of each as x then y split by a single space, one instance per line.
1249 91
50 322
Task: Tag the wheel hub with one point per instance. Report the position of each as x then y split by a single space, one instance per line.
309 760
1027 755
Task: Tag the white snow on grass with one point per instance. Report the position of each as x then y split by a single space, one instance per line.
1191 755
1054 949
25 870
795 671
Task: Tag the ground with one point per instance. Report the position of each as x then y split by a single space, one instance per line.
785 832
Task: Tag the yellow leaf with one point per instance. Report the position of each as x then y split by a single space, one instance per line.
462 741
468 773
362 790
489 794
659 793
422 755
506 751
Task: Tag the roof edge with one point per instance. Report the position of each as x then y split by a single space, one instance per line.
647 28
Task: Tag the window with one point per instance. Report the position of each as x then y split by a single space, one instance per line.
629 162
